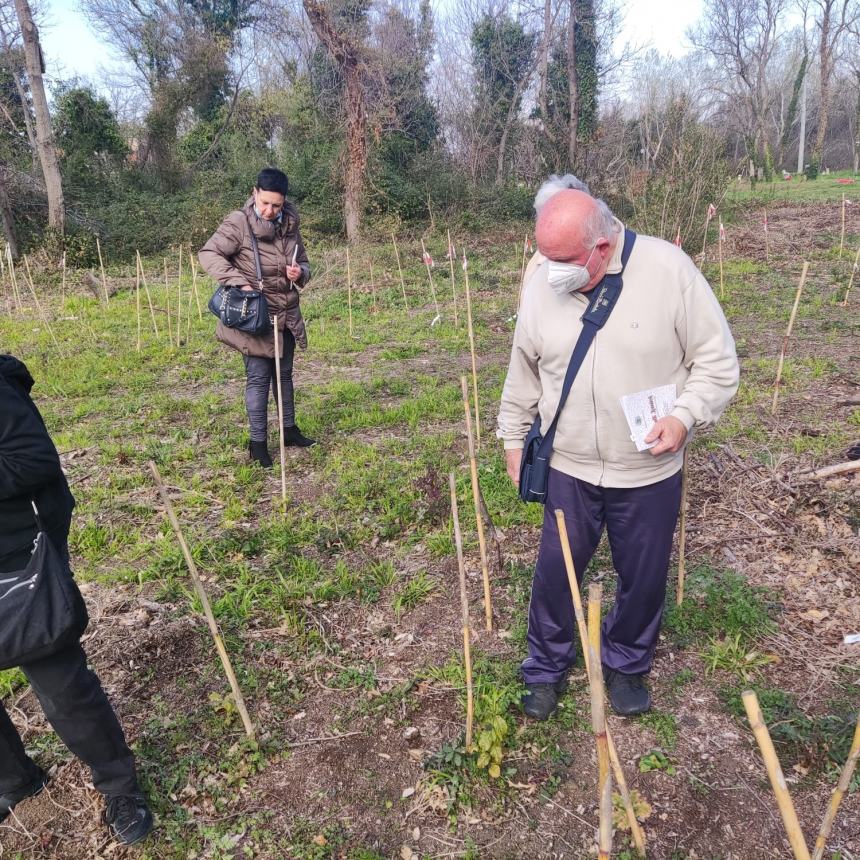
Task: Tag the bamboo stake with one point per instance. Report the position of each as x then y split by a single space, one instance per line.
838 794
137 300
373 288
635 828
523 272
167 294
148 296
349 290
204 601
19 305
464 611
193 264
275 326
476 495
766 239
452 253
179 300
400 270
842 236
472 349
39 307
425 256
774 772
64 280
851 278
787 336
102 267
682 535
720 247
598 722
708 218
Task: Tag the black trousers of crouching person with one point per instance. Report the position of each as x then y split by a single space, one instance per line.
77 708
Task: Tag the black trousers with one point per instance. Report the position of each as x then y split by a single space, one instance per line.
79 711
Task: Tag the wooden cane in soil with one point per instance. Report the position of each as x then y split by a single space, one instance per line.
851 278
146 290
598 722
682 532
464 611
280 400
102 267
193 263
137 300
204 602
400 272
426 259
472 349
452 253
635 828
838 793
476 494
842 234
774 772
349 290
39 307
787 336
523 272
179 300
63 293
373 288
167 305
13 280
720 240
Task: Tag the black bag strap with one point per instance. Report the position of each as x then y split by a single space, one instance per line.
600 305
256 248
39 524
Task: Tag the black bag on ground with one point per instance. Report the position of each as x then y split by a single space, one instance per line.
41 608
245 310
537 449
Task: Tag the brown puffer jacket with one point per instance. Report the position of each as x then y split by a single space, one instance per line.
228 257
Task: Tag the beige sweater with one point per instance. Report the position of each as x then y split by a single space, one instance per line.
667 327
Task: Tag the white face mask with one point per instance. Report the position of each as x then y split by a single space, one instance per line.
567 278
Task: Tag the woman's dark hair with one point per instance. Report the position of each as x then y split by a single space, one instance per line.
272 179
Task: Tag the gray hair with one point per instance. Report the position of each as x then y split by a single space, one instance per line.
599 224
555 184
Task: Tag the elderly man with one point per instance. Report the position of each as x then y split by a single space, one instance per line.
666 329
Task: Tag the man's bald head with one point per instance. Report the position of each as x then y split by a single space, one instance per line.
572 222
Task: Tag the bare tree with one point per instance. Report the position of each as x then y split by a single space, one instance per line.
347 54
741 37
834 19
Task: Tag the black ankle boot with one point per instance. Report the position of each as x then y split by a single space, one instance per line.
293 436
31 789
259 452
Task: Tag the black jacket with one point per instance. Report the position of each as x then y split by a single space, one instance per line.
29 468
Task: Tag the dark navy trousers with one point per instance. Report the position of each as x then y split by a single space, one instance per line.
640 524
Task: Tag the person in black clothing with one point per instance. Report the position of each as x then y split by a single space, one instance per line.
70 694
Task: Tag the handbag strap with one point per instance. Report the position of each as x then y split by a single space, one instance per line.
600 305
256 248
39 524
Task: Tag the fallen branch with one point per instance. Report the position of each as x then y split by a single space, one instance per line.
829 471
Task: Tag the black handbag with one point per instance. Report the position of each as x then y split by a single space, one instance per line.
244 310
537 449
41 608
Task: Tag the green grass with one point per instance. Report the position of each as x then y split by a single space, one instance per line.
799 189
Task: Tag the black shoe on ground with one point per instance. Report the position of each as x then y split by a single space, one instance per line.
31 789
259 452
293 436
128 817
541 700
628 694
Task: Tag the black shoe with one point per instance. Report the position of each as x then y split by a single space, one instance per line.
628 694
293 436
30 789
541 700
259 452
128 817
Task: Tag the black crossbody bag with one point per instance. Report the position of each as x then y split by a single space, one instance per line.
244 310
537 449
41 608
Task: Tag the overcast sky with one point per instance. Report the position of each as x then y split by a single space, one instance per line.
71 48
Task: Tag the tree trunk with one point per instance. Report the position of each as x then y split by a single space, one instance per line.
347 56
825 61
544 62
857 127
7 218
44 133
573 87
